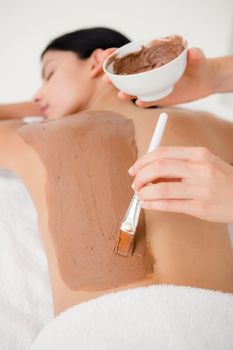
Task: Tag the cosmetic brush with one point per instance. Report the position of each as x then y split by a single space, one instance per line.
125 243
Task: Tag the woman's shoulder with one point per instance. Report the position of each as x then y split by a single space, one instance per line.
200 128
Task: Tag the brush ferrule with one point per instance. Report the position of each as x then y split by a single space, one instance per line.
130 221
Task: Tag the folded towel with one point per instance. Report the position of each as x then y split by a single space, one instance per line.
156 317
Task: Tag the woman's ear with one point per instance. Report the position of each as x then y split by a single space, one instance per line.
97 59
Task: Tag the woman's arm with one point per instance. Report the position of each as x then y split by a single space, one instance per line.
19 110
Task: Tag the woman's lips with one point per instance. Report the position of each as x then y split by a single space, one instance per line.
44 109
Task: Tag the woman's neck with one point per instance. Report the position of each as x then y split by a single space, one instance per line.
105 98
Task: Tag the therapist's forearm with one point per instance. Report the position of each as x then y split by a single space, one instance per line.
19 110
223 67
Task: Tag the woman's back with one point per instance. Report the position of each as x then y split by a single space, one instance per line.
81 189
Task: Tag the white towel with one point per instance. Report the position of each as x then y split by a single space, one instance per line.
156 317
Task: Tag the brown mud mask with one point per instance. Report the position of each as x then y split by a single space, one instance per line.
88 189
156 54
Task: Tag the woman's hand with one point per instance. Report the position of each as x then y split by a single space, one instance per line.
198 81
188 180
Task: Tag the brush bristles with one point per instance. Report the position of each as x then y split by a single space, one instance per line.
125 244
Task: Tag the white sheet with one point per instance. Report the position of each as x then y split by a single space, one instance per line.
155 317
25 296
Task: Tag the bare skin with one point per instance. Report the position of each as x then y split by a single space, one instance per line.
187 251
19 110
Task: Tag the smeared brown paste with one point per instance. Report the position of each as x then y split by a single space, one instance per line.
87 157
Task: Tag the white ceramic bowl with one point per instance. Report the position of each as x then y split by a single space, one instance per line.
150 85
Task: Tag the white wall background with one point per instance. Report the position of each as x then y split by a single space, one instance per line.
26 26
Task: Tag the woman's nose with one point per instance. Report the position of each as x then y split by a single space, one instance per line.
38 96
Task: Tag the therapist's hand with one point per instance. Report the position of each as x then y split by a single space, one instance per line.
198 81
188 180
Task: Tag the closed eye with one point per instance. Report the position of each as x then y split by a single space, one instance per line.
49 76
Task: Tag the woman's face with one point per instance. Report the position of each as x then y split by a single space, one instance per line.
67 85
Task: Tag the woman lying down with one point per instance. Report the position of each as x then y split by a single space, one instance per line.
75 167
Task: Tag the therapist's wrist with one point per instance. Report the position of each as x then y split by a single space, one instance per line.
215 76
222 68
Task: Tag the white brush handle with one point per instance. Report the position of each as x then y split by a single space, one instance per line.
129 224
158 132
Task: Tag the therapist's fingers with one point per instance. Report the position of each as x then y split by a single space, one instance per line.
182 89
194 154
185 206
168 190
163 168
207 193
